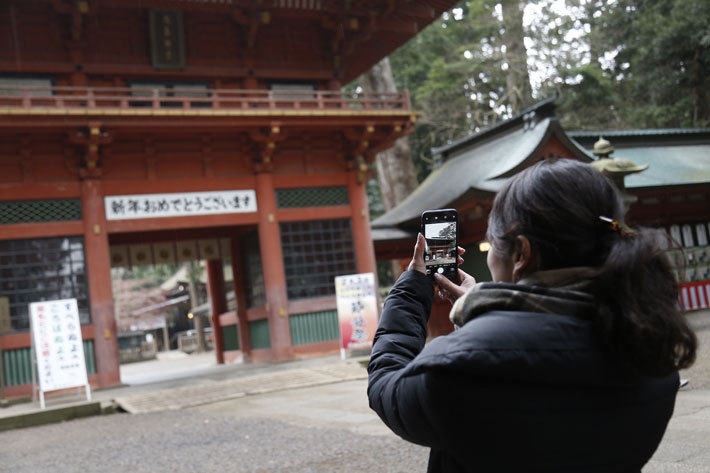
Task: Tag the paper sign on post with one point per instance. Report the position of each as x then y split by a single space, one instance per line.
58 346
357 310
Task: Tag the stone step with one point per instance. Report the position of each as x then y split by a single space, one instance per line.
215 391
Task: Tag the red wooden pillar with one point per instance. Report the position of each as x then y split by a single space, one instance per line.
240 298
98 266
272 263
218 303
364 249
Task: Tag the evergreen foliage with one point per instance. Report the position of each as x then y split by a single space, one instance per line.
616 64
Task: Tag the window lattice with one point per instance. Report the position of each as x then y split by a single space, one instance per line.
42 269
314 252
27 211
312 197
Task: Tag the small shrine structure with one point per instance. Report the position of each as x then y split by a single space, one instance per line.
664 175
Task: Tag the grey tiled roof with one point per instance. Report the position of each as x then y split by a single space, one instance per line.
477 166
648 132
675 156
477 171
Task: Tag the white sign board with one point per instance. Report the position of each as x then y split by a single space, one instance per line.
56 336
181 204
357 310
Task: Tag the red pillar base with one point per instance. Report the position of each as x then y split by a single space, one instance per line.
108 379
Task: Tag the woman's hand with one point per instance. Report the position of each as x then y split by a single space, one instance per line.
451 291
447 290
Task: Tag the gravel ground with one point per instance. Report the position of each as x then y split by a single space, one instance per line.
250 435
192 441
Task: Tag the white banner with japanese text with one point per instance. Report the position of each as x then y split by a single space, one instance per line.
180 204
56 335
357 310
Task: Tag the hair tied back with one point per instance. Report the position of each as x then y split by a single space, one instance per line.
617 227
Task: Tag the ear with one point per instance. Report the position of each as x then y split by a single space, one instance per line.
524 260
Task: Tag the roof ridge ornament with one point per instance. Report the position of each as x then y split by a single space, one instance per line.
530 119
602 148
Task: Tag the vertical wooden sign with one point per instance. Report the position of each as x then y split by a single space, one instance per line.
167 39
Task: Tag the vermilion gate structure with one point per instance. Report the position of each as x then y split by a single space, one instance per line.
121 97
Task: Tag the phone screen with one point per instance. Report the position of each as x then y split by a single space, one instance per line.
440 255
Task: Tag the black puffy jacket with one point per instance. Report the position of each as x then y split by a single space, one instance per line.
511 391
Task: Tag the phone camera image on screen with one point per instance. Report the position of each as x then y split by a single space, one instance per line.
439 228
441 242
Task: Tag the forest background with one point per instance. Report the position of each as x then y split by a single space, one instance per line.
615 64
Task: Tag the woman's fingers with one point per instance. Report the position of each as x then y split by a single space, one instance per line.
419 247
451 290
445 283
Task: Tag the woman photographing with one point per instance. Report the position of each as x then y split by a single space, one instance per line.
568 361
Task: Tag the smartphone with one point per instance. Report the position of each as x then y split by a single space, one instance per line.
440 229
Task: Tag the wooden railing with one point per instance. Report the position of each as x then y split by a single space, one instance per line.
188 99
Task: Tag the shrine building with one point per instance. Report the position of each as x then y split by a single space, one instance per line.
155 131
665 175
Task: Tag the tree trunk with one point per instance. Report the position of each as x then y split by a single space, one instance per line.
701 104
396 174
518 86
194 279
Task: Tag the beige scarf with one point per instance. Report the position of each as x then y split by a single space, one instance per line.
568 291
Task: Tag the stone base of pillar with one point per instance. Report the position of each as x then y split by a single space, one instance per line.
267 355
108 379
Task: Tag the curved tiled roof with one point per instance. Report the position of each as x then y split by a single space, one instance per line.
478 170
477 166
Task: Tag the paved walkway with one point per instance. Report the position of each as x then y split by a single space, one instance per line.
325 390
214 391
178 380
686 444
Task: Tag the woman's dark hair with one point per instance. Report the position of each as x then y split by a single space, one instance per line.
557 206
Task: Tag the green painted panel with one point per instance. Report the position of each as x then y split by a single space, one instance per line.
89 357
230 336
314 327
17 364
259 333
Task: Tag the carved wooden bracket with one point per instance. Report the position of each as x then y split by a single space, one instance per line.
266 140
251 19
78 10
362 139
364 171
91 138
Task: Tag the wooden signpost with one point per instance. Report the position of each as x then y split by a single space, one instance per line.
58 350
357 311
